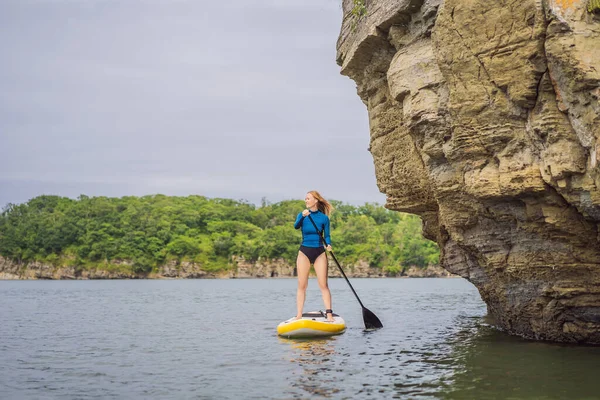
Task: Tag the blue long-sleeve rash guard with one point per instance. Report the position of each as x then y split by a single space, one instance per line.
310 237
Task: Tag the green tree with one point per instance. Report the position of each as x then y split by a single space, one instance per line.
147 231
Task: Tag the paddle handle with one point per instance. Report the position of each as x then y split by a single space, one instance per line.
336 261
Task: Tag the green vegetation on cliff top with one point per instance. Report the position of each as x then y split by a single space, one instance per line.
148 231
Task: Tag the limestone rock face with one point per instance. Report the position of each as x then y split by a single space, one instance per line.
485 121
263 268
277 268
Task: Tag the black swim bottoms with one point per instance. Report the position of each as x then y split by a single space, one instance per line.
312 252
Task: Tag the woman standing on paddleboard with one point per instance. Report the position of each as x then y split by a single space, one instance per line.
312 250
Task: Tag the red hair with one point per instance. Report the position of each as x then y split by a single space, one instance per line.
323 205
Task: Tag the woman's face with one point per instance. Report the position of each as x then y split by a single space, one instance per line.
310 200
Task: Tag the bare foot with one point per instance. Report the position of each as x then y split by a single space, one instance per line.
330 317
297 317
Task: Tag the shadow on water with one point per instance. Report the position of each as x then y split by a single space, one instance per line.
316 372
489 364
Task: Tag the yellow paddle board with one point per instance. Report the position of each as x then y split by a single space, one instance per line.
312 324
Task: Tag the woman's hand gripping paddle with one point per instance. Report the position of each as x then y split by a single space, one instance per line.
371 320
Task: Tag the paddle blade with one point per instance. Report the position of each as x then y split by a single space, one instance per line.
371 320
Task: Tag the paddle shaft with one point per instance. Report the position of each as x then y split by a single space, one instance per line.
336 261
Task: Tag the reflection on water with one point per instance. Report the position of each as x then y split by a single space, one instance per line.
467 360
315 357
488 364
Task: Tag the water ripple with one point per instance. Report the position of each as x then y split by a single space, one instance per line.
215 340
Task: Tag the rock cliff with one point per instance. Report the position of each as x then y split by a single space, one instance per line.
241 268
485 121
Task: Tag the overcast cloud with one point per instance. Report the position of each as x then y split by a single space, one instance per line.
231 98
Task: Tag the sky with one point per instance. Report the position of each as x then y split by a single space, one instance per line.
238 99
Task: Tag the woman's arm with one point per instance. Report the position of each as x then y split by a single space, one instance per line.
298 222
326 233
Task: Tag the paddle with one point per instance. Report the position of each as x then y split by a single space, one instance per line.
371 320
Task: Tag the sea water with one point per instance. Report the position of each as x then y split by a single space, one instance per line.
216 339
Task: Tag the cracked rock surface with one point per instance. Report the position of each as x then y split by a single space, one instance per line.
485 121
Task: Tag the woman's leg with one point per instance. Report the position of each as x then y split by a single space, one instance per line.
321 270
302 269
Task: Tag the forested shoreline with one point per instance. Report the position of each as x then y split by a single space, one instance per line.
141 235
